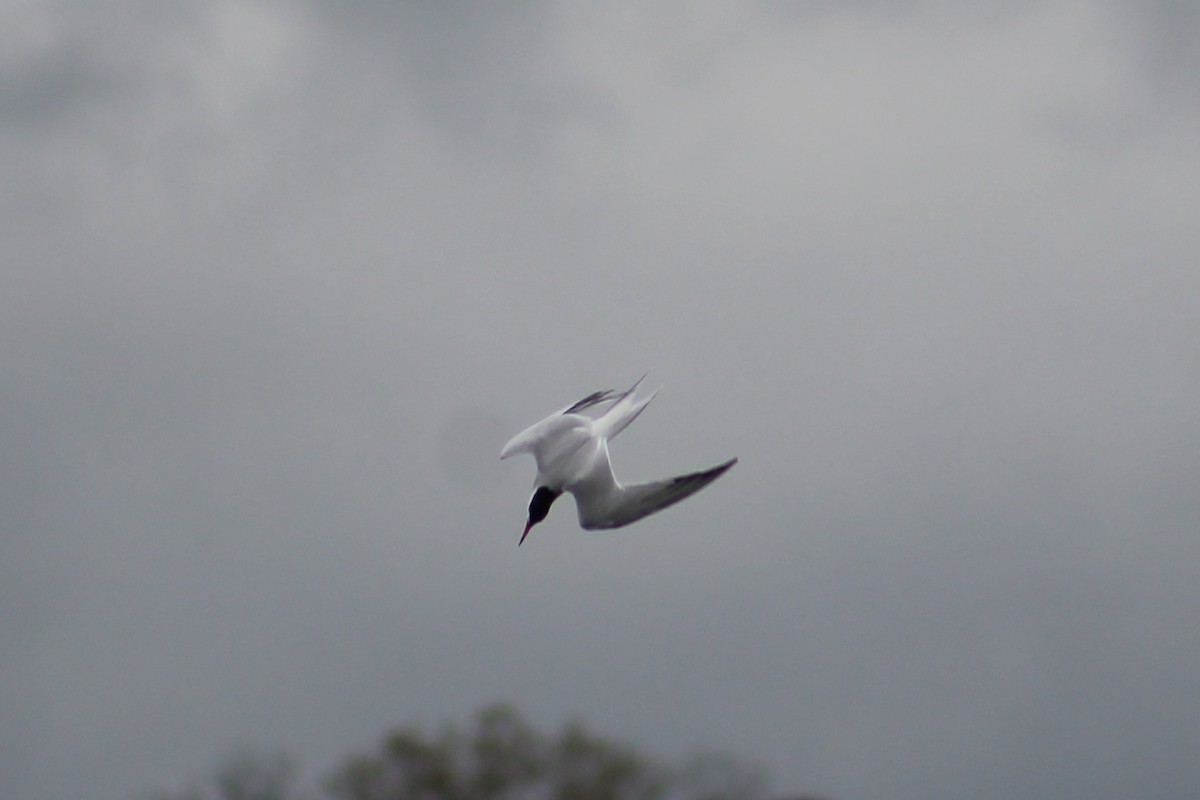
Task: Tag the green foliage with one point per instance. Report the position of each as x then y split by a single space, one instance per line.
584 767
498 757
507 753
501 757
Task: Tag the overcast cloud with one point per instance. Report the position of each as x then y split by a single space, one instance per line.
279 279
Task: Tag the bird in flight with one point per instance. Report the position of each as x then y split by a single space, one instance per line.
571 451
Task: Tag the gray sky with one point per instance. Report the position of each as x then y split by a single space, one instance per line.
280 279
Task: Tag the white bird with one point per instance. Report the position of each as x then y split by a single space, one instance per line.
571 450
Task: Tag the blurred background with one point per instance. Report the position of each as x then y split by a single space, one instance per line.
280 279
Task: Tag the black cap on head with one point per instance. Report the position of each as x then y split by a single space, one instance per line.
539 507
539 504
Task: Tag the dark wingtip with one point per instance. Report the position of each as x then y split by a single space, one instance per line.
707 475
721 468
592 399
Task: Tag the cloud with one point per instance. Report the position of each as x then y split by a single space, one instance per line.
1170 30
284 278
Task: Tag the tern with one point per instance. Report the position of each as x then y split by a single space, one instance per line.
571 451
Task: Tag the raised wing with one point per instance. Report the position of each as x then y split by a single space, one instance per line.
624 411
552 442
595 398
537 437
622 401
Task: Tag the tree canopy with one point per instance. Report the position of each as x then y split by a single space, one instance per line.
497 756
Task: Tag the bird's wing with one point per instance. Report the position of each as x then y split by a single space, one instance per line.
624 411
604 503
595 398
553 443
555 440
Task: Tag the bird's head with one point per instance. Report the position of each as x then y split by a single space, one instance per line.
539 507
